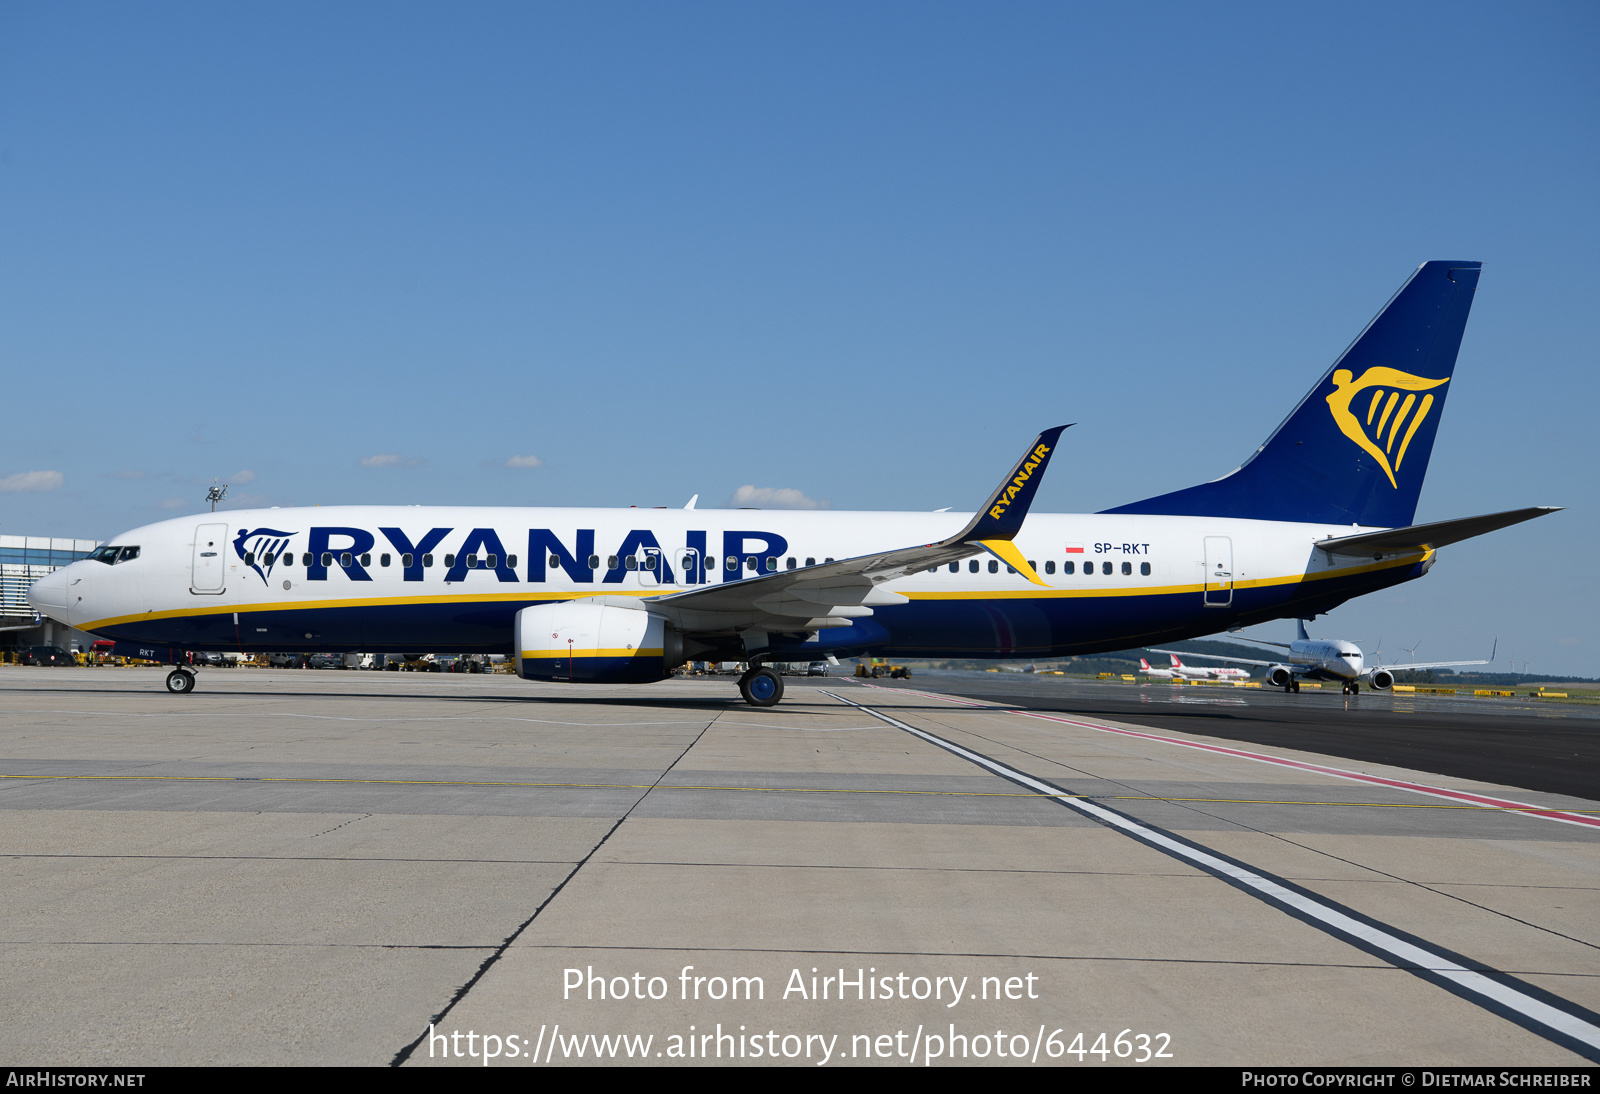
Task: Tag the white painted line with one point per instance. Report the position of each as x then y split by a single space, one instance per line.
1482 800
1413 956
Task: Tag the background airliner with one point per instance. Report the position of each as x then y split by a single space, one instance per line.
1205 672
1319 513
1328 659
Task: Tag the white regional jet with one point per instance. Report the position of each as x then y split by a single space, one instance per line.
1205 672
1328 659
1321 512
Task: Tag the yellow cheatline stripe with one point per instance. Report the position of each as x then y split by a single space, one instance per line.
1007 552
370 602
493 784
580 654
540 596
1168 590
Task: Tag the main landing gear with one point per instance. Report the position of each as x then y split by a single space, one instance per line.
1292 685
180 682
761 687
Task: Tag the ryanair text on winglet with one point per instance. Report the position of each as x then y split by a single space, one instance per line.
1029 464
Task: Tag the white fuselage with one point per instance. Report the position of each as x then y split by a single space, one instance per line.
449 579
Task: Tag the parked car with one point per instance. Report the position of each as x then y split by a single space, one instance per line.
46 655
817 668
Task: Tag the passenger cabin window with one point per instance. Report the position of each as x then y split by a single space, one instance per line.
1068 567
405 560
266 560
344 559
1050 567
1010 569
972 567
955 567
594 562
1105 567
249 558
555 562
427 562
472 562
449 560
811 562
732 562
327 558
511 561
633 562
772 565
827 560
1144 568
1127 569
306 559
383 560
789 564
994 567
366 560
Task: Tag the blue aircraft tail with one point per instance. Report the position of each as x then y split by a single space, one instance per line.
1356 448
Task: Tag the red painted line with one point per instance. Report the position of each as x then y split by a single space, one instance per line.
1483 800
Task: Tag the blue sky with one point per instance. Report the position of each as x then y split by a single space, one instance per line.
858 253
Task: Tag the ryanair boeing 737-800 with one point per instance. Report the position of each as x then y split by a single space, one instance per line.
1318 514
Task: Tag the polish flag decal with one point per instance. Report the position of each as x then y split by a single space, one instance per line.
1074 548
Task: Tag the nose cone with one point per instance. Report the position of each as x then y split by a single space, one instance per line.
49 595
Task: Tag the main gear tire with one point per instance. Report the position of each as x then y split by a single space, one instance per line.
761 687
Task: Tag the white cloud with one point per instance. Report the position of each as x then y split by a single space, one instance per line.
31 482
241 478
773 497
389 459
175 503
524 461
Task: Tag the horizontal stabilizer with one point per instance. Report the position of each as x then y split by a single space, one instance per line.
1430 536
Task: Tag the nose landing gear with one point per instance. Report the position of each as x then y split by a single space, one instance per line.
180 682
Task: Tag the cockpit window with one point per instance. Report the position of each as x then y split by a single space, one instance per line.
113 555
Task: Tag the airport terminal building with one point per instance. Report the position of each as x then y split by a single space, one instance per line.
24 560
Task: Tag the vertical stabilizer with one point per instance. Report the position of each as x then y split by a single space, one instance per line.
1356 448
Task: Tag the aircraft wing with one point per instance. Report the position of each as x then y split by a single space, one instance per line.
831 594
1419 666
1428 536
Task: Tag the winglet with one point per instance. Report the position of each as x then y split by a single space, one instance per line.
1002 515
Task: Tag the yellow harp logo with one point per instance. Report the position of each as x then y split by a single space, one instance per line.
1382 381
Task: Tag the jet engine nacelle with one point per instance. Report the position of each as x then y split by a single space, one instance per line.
1382 680
590 643
1279 676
